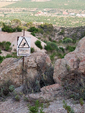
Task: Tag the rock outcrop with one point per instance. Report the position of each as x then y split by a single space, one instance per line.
73 62
35 67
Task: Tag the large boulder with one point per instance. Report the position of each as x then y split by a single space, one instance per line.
73 62
36 66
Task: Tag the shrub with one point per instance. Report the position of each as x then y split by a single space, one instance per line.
9 29
14 54
51 46
74 40
38 44
0 51
81 101
32 50
33 33
61 32
67 40
18 29
60 55
4 89
1 59
8 56
5 46
15 22
29 24
76 79
33 29
40 31
17 98
70 48
6 28
52 56
68 108
11 88
61 48
38 108
46 27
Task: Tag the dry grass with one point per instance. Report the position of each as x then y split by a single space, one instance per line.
2 4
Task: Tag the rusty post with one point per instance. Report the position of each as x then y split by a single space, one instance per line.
23 36
24 32
23 60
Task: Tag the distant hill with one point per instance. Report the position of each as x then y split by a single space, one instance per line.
59 4
9 0
39 0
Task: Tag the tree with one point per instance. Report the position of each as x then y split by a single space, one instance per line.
15 23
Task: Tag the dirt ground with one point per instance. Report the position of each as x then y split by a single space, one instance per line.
56 106
2 4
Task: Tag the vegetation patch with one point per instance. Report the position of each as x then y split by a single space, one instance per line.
6 88
1 59
9 29
5 46
51 46
38 44
32 50
70 48
37 108
67 40
74 85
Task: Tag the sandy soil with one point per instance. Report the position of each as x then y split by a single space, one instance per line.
2 4
12 37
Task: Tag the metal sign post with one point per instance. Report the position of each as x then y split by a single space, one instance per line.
23 56
23 48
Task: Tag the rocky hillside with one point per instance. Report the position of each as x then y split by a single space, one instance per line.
74 33
54 33
68 74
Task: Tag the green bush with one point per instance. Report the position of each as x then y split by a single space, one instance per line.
67 40
68 108
52 56
18 29
60 55
33 29
32 50
0 51
61 48
81 101
40 31
17 98
74 40
51 46
46 27
5 46
8 56
1 59
14 54
38 44
38 108
11 88
4 89
62 32
70 48
29 24
7 28
33 33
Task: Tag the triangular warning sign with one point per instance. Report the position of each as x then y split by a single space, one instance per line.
23 43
